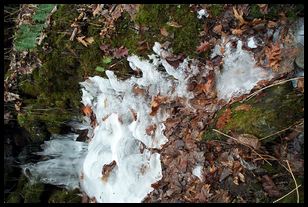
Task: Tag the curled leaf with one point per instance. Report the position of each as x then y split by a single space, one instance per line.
203 47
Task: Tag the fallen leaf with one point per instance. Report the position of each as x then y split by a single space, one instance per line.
174 24
120 52
87 111
239 16
243 107
89 40
242 177
221 196
107 168
150 130
97 10
164 32
217 29
138 91
80 39
223 119
104 48
249 140
203 47
237 32
156 102
270 187
273 54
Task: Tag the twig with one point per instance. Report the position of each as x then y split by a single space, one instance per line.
243 144
73 34
276 133
287 194
274 84
298 122
296 186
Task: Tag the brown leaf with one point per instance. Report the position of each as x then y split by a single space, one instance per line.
221 196
107 168
80 39
273 54
150 130
164 32
97 10
120 52
239 16
249 140
174 24
156 102
223 119
270 187
243 107
104 48
237 32
217 29
203 47
138 91
87 111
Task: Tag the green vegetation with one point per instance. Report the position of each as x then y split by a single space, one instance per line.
216 9
26 35
278 108
64 196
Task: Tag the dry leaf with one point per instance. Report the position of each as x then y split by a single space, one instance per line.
174 24
87 111
157 101
80 39
107 168
249 140
217 29
239 16
138 91
164 32
223 119
203 47
97 10
242 177
120 52
150 130
89 40
237 32
273 54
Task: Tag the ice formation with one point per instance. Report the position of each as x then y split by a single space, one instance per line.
119 164
197 171
239 73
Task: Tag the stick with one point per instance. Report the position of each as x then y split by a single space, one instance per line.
286 194
244 145
274 84
296 186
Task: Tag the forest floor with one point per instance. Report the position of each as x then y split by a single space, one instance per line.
249 149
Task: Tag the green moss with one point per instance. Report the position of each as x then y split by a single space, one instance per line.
216 9
64 196
255 11
32 192
157 16
28 88
14 198
275 109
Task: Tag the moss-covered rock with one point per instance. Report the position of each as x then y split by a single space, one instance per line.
274 109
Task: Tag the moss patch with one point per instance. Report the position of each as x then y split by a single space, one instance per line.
273 110
64 196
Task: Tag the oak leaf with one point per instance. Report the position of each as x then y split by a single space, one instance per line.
203 47
273 54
